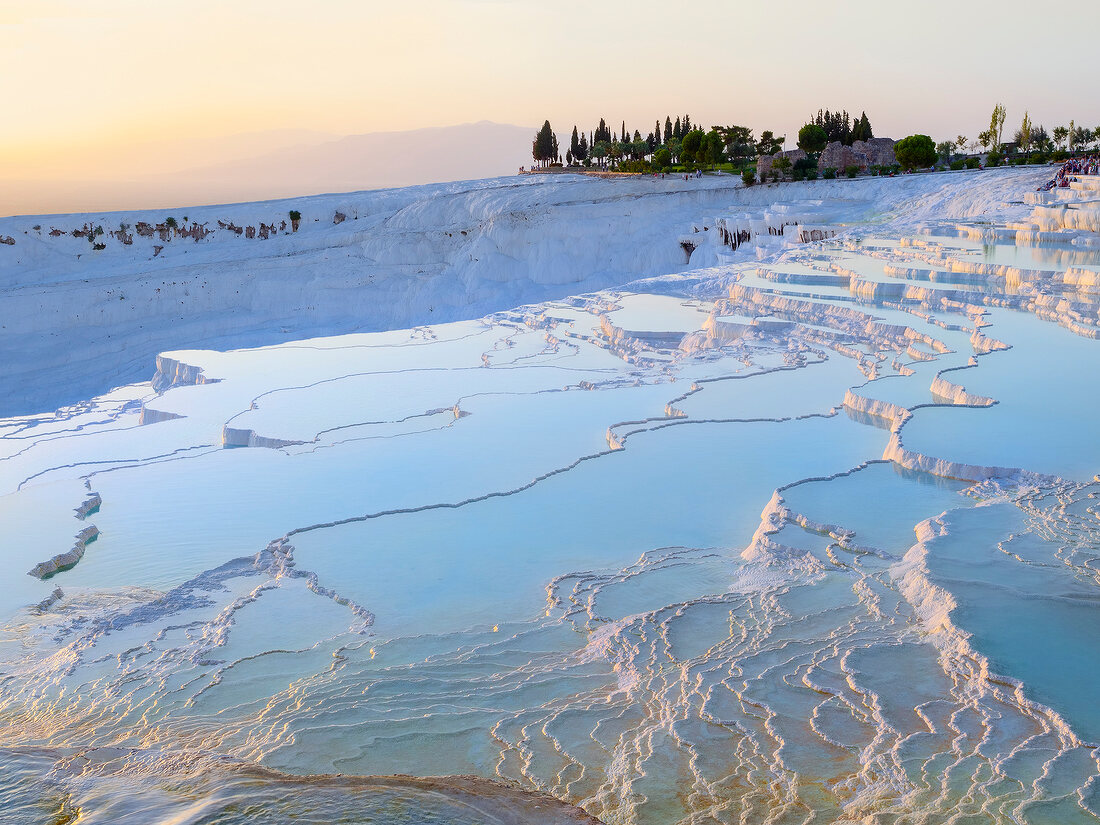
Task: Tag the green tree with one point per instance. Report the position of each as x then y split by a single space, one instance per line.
600 150
1060 134
544 148
738 141
668 129
861 128
711 149
662 157
1082 137
915 152
690 145
768 144
603 133
960 144
674 147
812 138
997 124
1023 136
1040 139
616 151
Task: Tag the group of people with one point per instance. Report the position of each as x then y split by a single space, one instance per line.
698 173
1087 165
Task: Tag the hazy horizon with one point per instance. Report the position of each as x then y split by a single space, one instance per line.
281 164
233 82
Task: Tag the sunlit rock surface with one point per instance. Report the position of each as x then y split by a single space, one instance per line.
797 530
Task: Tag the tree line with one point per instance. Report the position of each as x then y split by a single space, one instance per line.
1030 141
677 141
681 143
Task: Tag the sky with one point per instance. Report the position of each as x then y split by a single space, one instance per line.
115 87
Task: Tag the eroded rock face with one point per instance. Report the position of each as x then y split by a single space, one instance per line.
862 153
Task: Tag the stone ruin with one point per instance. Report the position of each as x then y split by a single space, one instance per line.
862 153
764 164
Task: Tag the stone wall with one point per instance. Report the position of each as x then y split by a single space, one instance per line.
764 164
862 153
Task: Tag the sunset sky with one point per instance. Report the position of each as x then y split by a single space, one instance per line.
94 88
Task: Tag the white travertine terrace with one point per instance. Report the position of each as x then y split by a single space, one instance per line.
730 544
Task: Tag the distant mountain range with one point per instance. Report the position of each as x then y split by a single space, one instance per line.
316 165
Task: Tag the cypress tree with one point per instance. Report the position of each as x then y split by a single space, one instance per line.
668 129
624 133
865 127
676 131
574 143
545 145
657 133
687 124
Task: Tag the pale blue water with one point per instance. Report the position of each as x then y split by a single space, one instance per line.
1034 615
490 548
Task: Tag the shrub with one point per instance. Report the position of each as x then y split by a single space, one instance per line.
958 164
915 152
748 177
1059 155
851 171
973 163
811 174
994 159
829 173
662 157
798 174
1039 157
635 166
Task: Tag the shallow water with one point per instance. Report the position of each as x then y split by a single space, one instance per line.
635 551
